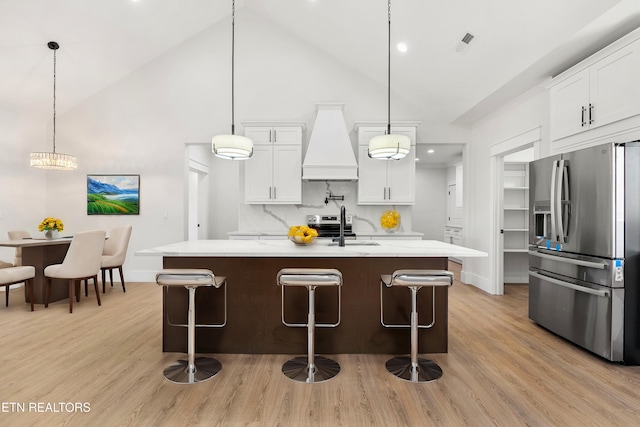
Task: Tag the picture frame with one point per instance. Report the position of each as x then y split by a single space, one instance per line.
113 194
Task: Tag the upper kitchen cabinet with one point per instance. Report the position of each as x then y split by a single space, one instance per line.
386 182
273 175
602 90
278 135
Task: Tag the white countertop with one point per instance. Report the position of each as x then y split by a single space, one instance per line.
320 248
283 233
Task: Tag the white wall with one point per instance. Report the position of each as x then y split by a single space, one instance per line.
23 195
140 125
430 211
526 113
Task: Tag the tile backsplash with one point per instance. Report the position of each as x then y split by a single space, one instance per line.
366 219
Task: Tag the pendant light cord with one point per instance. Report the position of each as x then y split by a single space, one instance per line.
54 99
389 72
233 23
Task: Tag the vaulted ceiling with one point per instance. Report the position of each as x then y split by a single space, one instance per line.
517 44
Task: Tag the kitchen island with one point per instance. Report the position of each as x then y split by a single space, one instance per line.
254 299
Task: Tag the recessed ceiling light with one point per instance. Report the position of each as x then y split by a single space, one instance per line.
431 151
402 47
417 159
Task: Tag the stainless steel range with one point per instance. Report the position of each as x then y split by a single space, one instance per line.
329 225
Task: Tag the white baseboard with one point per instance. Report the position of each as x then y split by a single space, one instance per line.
141 276
477 281
19 285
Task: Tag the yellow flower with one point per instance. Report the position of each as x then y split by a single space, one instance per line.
390 219
50 223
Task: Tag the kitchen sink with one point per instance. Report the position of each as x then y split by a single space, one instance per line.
356 243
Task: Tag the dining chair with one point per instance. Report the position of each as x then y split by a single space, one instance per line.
12 275
82 262
18 235
114 254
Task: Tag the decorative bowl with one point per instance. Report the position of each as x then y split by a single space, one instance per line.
302 240
302 235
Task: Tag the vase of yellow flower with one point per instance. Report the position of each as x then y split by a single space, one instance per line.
390 221
51 227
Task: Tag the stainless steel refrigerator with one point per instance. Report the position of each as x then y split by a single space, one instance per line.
584 248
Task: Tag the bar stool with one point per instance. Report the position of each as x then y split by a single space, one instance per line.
413 368
193 369
310 369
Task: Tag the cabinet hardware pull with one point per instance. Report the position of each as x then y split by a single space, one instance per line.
269 193
591 119
274 193
270 140
275 135
582 118
389 192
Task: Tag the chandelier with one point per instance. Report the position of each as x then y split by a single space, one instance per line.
53 160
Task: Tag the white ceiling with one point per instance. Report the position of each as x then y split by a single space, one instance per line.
518 43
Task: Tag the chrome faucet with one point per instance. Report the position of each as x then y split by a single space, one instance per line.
343 220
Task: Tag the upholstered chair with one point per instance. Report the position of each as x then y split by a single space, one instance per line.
114 254
82 262
18 235
10 275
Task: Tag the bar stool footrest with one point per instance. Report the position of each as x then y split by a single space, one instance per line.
298 369
426 370
205 368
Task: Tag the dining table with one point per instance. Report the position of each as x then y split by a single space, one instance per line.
40 253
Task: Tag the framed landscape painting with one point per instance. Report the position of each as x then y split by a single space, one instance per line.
113 194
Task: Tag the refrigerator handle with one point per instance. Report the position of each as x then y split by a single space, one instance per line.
554 174
578 262
562 283
558 199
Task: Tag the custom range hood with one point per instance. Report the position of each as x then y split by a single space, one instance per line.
330 154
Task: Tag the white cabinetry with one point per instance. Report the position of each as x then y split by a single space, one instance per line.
273 175
515 223
601 90
453 235
386 182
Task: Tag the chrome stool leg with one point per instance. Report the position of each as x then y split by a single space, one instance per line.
311 369
414 368
192 370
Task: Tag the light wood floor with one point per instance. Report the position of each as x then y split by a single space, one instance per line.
501 369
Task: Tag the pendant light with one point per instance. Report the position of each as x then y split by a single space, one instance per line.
388 146
232 147
53 160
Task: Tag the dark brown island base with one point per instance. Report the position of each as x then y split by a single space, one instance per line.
254 299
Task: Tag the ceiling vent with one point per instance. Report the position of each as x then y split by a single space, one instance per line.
465 42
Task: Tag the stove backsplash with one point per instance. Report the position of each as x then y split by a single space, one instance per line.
366 219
